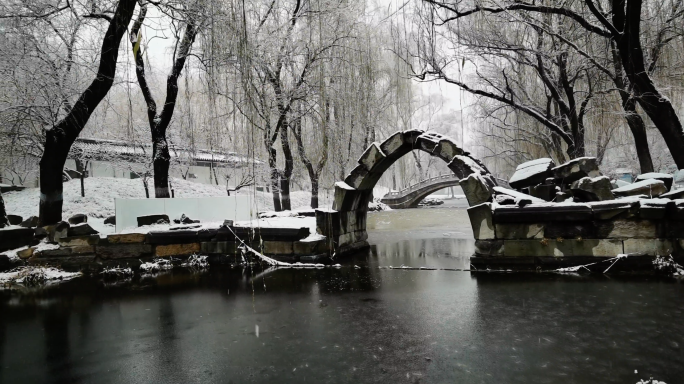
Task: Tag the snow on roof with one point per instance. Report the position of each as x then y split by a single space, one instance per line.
103 149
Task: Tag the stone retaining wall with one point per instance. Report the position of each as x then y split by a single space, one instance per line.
284 244
544 235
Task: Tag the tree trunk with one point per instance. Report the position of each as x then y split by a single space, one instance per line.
638 128
3 213
161 164
159 122
289 167
314 191
658 107
60 138
275 178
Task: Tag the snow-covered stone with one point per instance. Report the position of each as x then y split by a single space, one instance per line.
576 169
82 229
476 189
31 222
650 187
516 195
372 157
664 177
597 186
674 194
78 219
531 173
153 219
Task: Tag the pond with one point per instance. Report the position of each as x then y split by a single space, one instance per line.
356 324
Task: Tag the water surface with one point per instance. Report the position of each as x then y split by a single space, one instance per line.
356 324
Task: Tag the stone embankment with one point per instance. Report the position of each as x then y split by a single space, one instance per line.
81 246
571 215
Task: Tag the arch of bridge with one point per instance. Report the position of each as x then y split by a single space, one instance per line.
346 223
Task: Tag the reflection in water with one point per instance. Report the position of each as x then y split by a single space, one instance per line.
355 325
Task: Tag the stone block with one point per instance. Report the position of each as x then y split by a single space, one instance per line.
328 223
565 248
652 212
531 173
520 231
609 210
307 248
447 150
346 197
65 251
372 157
625 229
78 219
428 141
26 253
220 247
649 247
31 222
489 247
544 192
172 237
515 195
14 219
277 247
176 249
126 238
82 229
411 137
153 219
11 238
57 231
571 230
475 189
650 187
72 241
353 237
596 186
393 147
544 213
481 221
72 260
462 166
674 195
123 250
357 177
576 169
664 177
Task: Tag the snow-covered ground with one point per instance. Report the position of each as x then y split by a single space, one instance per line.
100 193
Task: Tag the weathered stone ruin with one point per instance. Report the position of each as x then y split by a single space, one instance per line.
570 214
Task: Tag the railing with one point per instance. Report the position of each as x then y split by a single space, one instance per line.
430 181
421 184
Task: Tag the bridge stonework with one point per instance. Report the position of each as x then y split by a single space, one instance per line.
345 224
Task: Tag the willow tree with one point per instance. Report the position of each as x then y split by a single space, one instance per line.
620 22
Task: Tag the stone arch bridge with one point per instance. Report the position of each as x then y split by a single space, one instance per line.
345 224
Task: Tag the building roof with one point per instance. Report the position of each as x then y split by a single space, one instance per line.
103 150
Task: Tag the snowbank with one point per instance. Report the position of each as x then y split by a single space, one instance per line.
101 191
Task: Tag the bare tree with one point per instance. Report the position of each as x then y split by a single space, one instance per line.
59 138
159 121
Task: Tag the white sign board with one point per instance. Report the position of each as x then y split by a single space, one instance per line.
204 209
